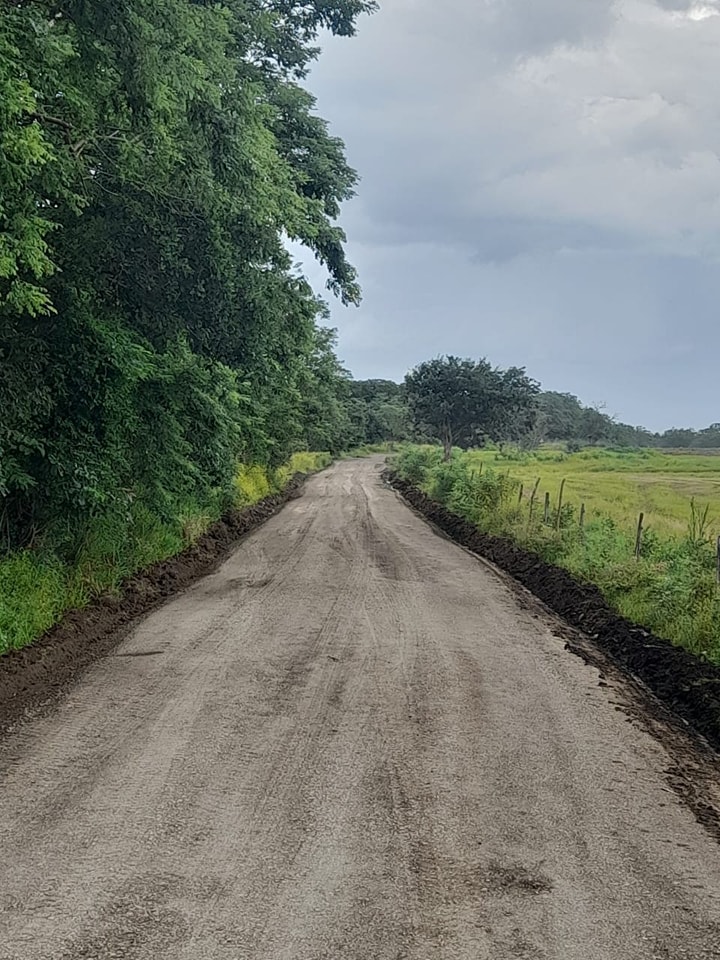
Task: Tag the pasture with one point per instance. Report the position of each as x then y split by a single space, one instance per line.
619 484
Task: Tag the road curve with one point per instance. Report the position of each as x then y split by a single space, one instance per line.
353 742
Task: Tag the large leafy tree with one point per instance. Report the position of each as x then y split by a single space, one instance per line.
154 157
460 402
381 411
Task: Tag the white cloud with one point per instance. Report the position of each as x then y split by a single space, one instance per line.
597 115
541 185
699 11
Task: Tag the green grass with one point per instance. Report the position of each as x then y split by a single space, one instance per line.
671 588
620 485
37 587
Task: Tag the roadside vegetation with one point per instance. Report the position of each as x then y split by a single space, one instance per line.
670 586
162 358
39 585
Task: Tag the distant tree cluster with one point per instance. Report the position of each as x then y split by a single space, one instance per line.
709 438
561 416
379 411
465 403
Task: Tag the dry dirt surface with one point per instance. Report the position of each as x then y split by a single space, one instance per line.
35 676
354 741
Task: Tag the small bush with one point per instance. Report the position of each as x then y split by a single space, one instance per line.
252 484
488 499
415 463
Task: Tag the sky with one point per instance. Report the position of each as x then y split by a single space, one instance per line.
540 185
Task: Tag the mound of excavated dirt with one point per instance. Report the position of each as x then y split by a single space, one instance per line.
34 675
690 686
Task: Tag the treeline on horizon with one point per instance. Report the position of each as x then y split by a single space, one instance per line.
381 413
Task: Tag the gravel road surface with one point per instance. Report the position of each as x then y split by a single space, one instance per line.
353 742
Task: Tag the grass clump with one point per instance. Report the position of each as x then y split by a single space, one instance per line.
307 462
32 597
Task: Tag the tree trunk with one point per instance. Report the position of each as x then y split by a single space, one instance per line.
447 443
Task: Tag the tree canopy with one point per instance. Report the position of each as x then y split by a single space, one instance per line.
463 402
379 411
154 157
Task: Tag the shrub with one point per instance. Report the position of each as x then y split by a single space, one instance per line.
414 463
252 484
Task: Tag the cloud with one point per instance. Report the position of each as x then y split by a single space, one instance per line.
690 10
596 115
517 157
524 28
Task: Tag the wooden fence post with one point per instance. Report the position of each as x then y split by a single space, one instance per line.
638 538
522 490
547 508
532 500
559 510
582 516
718 560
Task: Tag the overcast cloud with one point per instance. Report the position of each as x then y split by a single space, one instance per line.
541 185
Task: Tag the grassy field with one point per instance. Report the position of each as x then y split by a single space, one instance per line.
620 485
671 588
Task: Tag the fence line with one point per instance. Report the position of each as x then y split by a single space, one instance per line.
557 520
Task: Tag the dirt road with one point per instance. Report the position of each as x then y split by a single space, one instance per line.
353 742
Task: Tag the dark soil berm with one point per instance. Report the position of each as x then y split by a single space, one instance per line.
688 685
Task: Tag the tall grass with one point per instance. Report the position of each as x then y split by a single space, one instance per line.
618 484
37 587
671 588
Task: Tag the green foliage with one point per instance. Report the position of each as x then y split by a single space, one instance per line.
464 401
672 587
379 412
416 464
325 388
154 159
168 145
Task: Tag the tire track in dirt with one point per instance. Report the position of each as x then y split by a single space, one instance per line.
355 742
